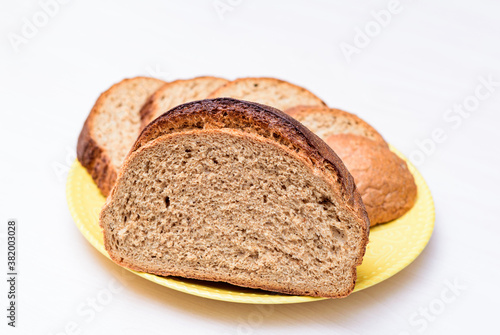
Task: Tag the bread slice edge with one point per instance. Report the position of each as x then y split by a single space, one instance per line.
91 155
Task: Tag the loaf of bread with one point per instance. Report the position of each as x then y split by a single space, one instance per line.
179 92
268 91
386 185
383 179
112 127
238 192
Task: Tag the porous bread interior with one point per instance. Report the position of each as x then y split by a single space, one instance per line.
268 91
230 206
182 91
117 121
325 124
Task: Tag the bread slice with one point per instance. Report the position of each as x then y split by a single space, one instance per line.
386 185
238 192
268 91
178 92
324 122
112 127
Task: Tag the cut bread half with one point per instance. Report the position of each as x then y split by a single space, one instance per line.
268 91
238 192
177 93
112 127
324 122
386 185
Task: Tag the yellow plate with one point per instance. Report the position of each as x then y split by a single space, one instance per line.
392 246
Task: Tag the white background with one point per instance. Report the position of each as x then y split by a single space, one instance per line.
429 57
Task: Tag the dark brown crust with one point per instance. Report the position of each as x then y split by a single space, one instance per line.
93 157
148 110
224 113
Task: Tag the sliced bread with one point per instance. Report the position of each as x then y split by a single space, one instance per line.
383 179
112 127
386 185
324 122
268 91
178 92
238 192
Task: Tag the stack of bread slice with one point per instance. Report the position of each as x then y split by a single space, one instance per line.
208 179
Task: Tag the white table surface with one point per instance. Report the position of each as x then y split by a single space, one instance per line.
429 57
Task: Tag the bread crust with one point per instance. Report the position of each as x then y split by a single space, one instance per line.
93 157
387 186
220 113
300 112
150 108
226 114
219 92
